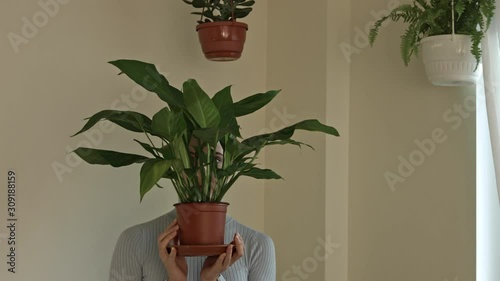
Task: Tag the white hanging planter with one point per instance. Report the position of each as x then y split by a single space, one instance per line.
448 60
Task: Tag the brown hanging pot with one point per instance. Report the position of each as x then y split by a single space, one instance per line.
222 40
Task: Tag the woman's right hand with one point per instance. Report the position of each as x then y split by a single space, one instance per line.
176 266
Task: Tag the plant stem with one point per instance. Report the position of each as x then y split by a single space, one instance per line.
152 144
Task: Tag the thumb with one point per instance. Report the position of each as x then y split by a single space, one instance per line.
173 252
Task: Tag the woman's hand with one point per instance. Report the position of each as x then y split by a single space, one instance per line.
176 266
214 266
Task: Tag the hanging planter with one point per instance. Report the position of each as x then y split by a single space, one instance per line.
448 60
222 41
222 38
447 33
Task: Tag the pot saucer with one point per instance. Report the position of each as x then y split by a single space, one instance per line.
200 250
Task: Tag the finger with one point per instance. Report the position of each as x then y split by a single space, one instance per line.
176 239
220 260
167 239
173 224
163 251
173 253
240 246
163 244
167 232
229 254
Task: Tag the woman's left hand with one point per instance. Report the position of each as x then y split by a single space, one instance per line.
215 265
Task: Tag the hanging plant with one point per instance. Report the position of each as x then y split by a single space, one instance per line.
222 38
443 27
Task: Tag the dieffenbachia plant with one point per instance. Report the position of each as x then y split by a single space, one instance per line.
190 114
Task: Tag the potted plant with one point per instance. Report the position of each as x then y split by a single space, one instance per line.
195 142
448 34
221 37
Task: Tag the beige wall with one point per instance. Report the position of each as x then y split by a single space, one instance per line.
422 228
295 207
337 149
419 229
67 229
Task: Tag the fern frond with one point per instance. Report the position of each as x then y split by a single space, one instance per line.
424 4
459 8
374 31
408 45
476 51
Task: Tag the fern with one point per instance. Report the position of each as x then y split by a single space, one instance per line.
433 17
403 11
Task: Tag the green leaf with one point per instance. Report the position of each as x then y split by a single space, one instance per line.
315 126
286 133
247 3
147 147
199 3
132 121
199 105
108 157
231 169
210 135
151 172
180 151
261 174
253 103
289 141
146 75
224 103
168 124
242 13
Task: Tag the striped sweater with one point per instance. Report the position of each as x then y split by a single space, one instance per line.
135 257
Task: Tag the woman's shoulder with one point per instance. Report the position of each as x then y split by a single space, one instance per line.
149 229
250 235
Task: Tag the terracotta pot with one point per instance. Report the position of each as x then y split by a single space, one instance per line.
201 223
223 40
